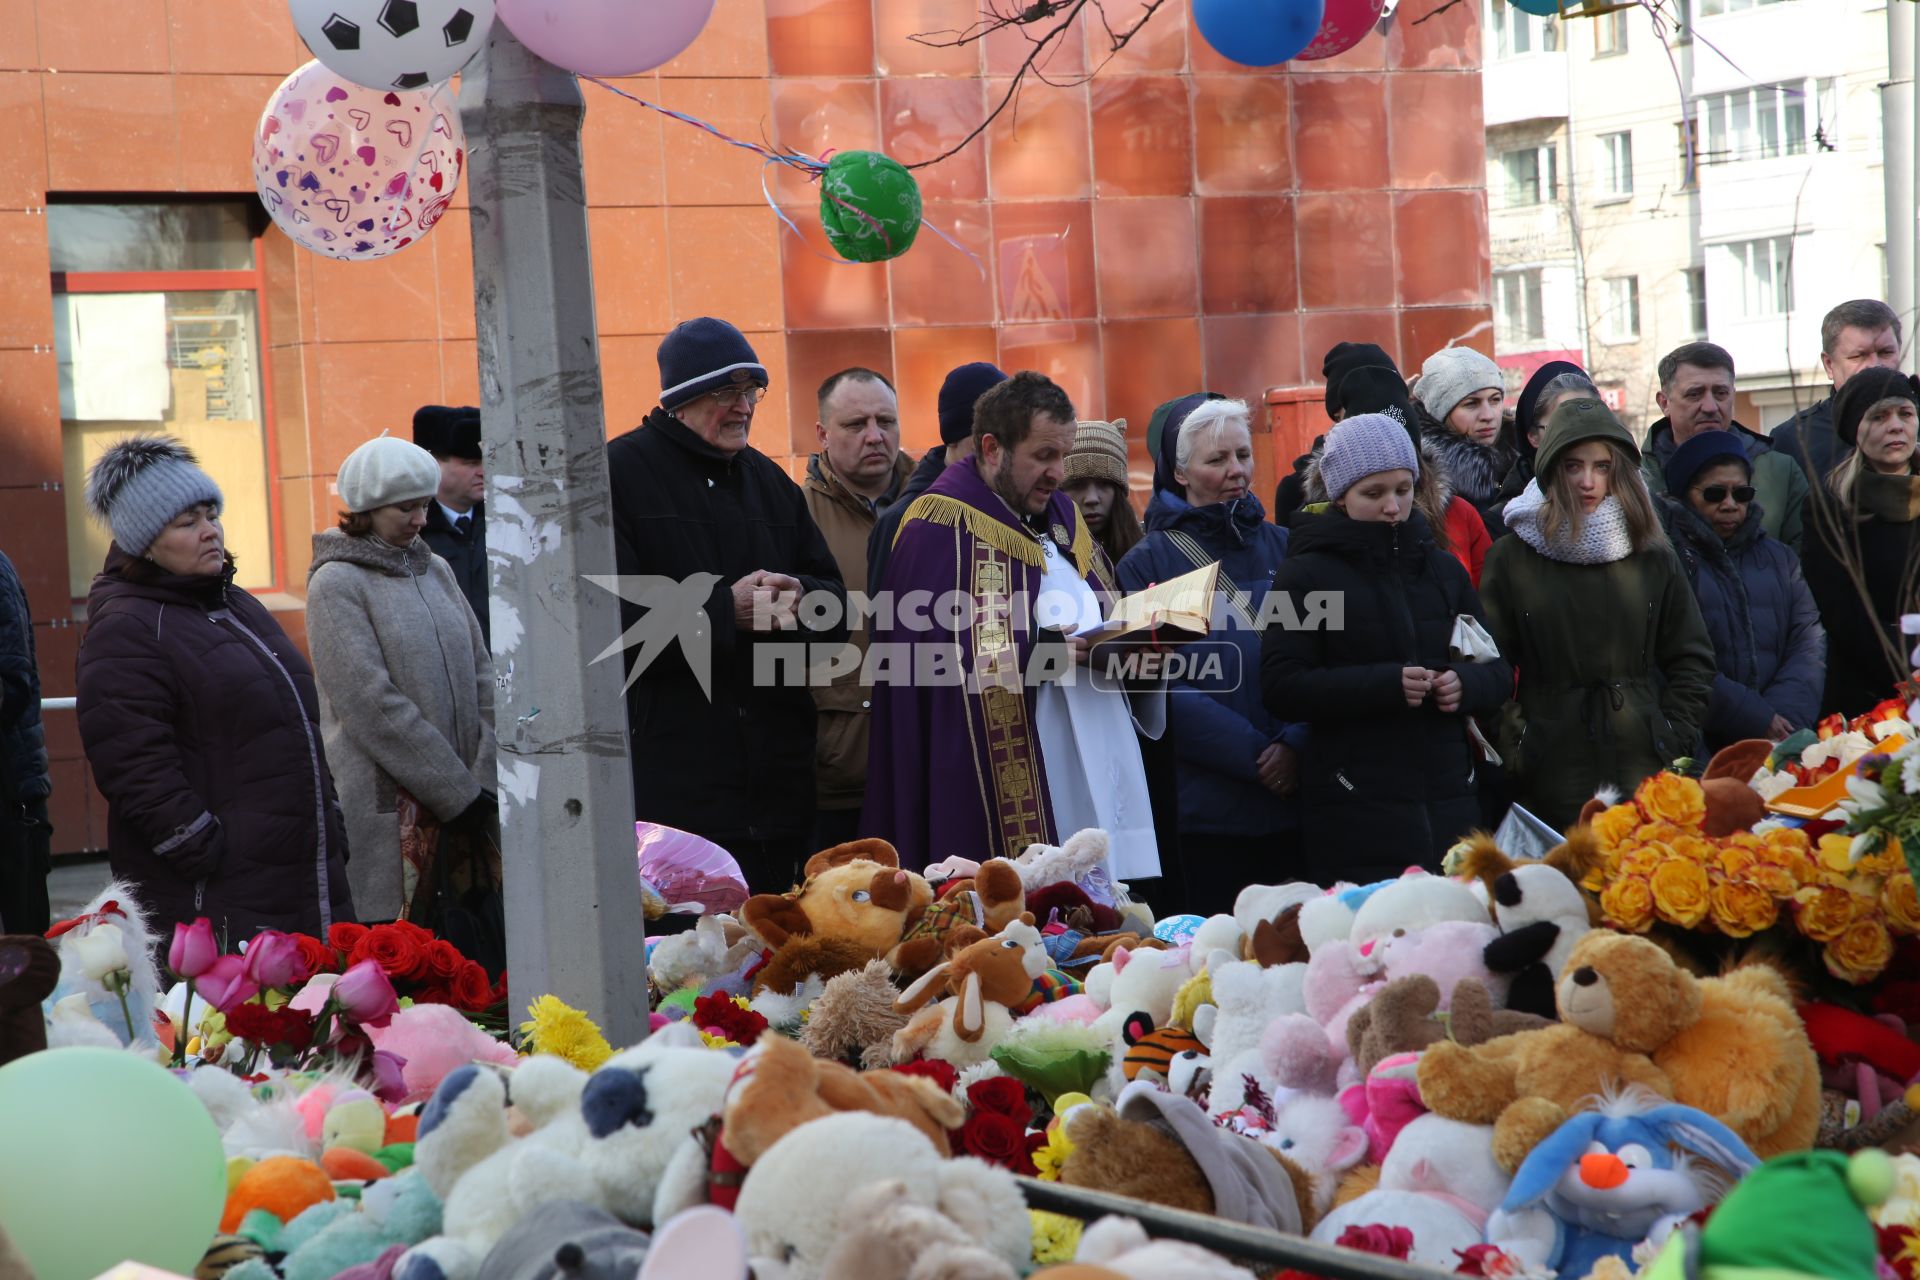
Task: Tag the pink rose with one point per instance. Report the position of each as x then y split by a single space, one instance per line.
224 983
194 950
364 995
389 1078
274 960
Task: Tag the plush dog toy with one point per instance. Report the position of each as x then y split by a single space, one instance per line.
985 977
992 898
854 905
1540 912
779 1086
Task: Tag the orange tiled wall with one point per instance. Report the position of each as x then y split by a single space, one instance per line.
1172 222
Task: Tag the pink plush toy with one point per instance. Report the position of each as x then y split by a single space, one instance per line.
434 1039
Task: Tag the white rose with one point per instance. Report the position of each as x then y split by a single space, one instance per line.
100 951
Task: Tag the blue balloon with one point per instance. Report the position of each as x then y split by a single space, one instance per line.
1259 33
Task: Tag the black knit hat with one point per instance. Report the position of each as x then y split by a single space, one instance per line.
1530 399
1379 389
701 356
1342 359
448 431
1864 390
957 394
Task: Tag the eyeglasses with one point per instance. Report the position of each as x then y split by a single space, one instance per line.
747 392
1715 494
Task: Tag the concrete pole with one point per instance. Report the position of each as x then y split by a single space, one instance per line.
1897 103
574 921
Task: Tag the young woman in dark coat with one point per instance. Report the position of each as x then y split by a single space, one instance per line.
1867 535
1390 776
1767 637
199 717
1461 396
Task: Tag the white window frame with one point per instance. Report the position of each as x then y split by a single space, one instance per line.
1762 275
1610 34
1524 288
1762 122
1620 322
1510 27
1616 165
1546 176
1717 8
1697 316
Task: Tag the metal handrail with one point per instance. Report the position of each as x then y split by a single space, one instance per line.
1233 1239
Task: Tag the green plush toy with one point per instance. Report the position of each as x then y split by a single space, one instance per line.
1801 1216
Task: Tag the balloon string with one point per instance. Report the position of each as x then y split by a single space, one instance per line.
794 159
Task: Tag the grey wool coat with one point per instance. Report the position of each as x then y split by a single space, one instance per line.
406 697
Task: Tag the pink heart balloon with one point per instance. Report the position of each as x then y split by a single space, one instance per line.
1345 25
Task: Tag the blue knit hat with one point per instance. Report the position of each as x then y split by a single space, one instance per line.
958 393
704 355
1697 454
140 484
1365 446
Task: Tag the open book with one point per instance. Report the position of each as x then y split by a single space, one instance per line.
1171 612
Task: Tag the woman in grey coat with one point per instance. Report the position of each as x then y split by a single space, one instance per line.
406 682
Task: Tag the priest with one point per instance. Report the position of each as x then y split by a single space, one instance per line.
990 732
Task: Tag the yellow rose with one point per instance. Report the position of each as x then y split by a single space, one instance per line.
1746 840
1781 882
1680 892
1785 842
1641 859
1695 849
1737 862
1658 833
1628 904
1612 827
1742 909
1861 952
1668 797
1833 852
1823 911
1901 901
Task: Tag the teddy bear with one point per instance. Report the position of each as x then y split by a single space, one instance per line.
985 977
853 1020
854 904
1747 1061
791 1205
1118 1249
1439 1181
1539 910
990 899
1247 998
888 1235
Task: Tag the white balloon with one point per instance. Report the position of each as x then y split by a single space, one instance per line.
393 44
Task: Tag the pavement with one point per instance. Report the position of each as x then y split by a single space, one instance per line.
75 882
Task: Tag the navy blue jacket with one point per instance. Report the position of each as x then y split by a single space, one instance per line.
1220 727
1767 639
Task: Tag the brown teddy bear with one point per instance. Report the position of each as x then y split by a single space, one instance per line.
853 906
989 900
781 1086
1404 1017
1748 1061
853 1019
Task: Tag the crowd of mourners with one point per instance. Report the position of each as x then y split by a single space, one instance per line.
1533 605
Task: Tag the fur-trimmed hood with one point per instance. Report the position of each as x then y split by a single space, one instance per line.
1472 470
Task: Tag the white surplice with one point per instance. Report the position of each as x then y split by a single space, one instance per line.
1088 746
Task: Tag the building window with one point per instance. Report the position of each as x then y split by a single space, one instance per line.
1689 131
1610 33
1697 300
1761 122
1714 8
1531 175
1616 164
1516 305
1762 274
157 329
1516 32
1621 323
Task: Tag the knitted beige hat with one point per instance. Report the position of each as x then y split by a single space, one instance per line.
1099 453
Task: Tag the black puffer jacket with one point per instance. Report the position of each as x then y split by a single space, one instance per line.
1384 785
737 765
23 744
202 729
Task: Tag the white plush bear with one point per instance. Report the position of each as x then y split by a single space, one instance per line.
1440 1181
1246 1000
1136 982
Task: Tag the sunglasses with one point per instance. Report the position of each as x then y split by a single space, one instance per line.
1715 494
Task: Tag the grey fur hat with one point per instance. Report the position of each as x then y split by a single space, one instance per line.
141 483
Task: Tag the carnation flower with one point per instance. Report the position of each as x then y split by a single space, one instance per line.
565 1032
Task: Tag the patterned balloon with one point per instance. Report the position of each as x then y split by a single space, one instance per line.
1345 25
356 173
869 206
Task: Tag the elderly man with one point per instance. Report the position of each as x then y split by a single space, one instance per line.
1696 394
1015 746
719 748
858 473
457 519
1856 335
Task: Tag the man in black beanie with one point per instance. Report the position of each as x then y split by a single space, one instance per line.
963 386
721 740
457 520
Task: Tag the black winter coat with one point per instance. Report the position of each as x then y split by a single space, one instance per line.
23 744
1473 471
736 765
1384 785
887 526
1808 438
466 556
202 729
1861 634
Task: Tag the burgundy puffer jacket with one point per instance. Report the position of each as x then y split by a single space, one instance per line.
202 729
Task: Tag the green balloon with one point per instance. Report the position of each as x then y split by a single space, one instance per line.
110 1159
869 206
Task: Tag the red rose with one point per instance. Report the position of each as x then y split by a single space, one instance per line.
264 1026
400 954
719 1015
472 990
316 955
444 961
435 992
343 938
1002 1095
997 1140
1378 1237
407 927
944 1074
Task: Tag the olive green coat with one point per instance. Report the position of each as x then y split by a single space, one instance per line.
1615 669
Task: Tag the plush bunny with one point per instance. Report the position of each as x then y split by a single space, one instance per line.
986 977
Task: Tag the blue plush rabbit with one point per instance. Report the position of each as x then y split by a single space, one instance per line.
1609 1178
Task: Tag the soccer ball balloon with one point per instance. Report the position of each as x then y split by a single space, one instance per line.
393 44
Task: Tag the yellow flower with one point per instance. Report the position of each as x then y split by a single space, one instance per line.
1657 832
1668 797
1781 882
713 1041
1901 902
1823 912
1695 848
1737 862
1628 904
1742 909
1784 843
1613 826
1641 859
1746 840
1836 857
1680 892
1056 1237
1860 953
1050 1158
565 1032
